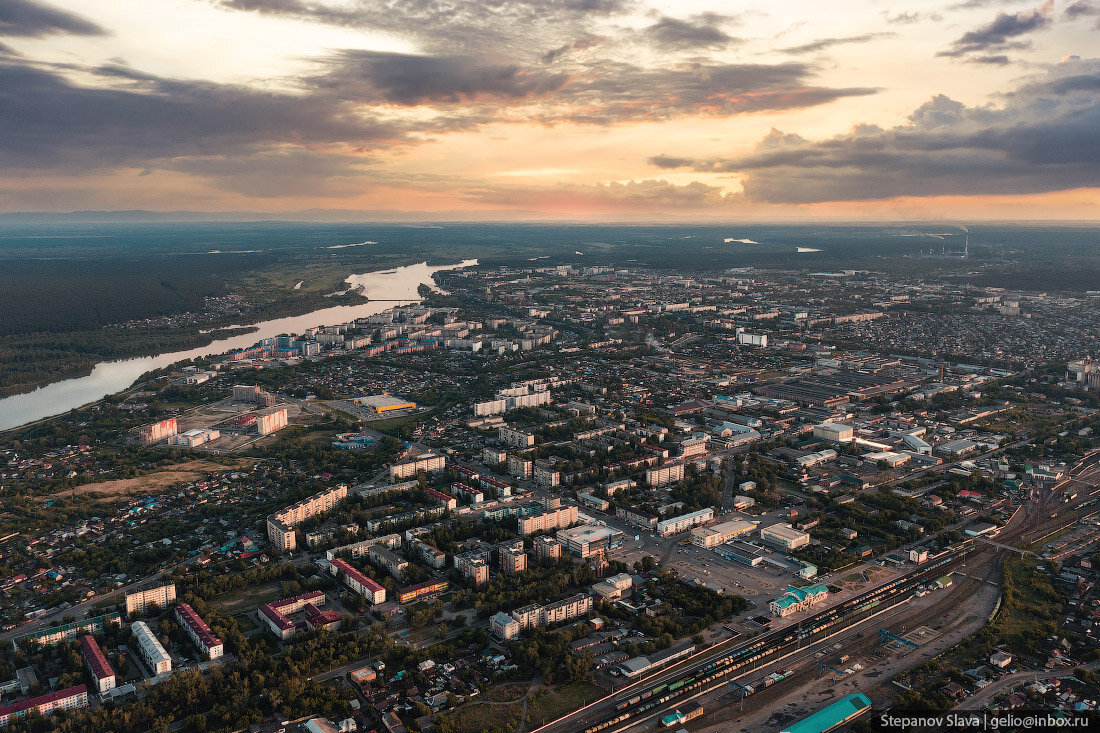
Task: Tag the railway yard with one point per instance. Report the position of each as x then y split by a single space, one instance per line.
740 684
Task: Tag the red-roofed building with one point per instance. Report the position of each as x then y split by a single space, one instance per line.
358 582
447 502
466 473
73 697
491 483
97 664
318 619
282 627
276 614
201 635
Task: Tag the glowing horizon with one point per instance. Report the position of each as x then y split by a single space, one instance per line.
553 109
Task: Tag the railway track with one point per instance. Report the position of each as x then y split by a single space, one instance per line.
643 701
764 649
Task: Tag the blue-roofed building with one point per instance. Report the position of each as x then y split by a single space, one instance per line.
830 718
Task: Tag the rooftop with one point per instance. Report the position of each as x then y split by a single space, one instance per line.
832 716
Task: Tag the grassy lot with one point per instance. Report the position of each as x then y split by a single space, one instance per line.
155 482
506 715
550 704
245 622
1029 612
482 718
1030 606
247 599
507 692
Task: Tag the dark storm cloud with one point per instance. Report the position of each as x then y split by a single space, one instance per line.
824 43
700 32
993 60
1000 35
241 137
481 54
50 123
1046 137
971 4
647 195
391 12
581 44
905 18
446 25
245 138
28 19
615 91
598 92
1083 9
669 161
276 173
409 80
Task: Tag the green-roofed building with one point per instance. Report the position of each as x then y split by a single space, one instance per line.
799 599
832 717
56 634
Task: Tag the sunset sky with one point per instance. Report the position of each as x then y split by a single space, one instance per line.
554 109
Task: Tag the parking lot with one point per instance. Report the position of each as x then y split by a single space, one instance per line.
367 414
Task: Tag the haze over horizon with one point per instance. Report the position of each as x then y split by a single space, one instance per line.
553 110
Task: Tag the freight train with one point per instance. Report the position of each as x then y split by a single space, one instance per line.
773 644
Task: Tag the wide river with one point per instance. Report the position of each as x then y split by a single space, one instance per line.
109 377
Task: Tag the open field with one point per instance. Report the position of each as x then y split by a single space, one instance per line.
504 707
245 622
547 704
507 692
158 481
245 599
483 717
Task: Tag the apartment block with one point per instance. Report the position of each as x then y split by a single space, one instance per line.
429 463
520 467
503 626
276 615
665 475
160 596
422 591
529 617
67 699
545 475
513 562
388 560
548 520
358 582
150 649
516 438
201 636
269 422
280 526
546 548
96 662
157 432
685 522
